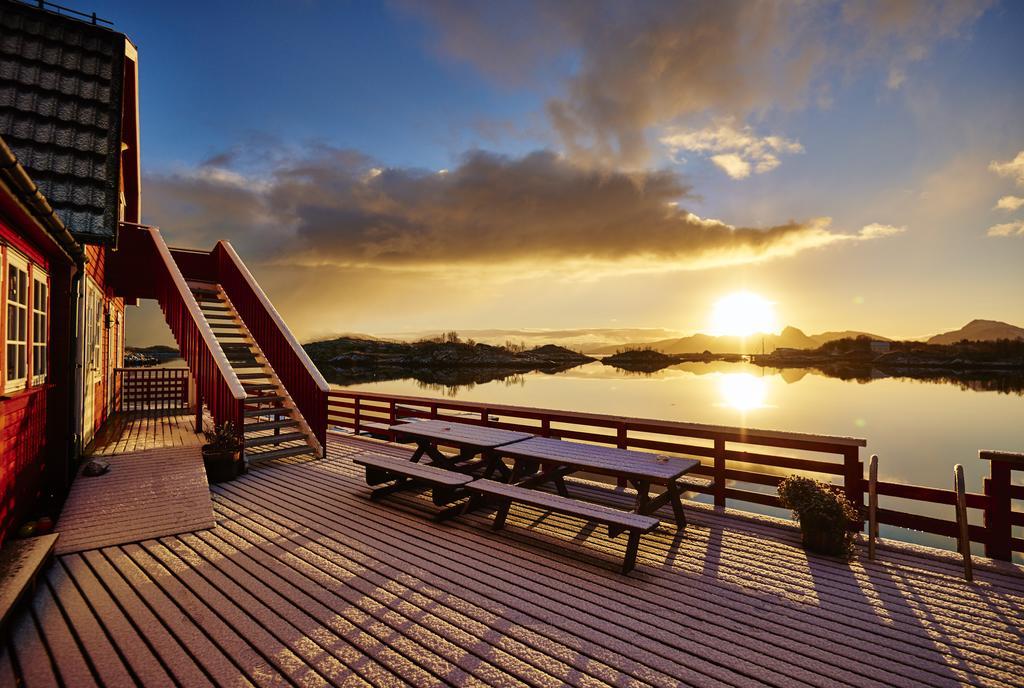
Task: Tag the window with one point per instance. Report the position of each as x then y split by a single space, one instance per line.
17 322
40 325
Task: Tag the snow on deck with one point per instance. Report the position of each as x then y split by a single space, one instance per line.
304 581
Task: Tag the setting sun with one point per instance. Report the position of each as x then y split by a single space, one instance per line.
742 314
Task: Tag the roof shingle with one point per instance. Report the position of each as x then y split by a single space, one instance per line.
61 85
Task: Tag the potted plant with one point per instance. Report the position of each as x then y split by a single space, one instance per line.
222 454
824 515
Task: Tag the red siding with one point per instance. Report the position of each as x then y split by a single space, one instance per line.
35 423
96 268
24 461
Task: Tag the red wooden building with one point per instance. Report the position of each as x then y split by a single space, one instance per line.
73 254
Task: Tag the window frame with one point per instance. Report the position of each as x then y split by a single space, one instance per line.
22 263
40 277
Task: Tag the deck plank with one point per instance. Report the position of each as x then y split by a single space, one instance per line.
302 580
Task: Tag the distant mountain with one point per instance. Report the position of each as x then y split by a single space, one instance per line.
979 331
826 337
789 338
587 340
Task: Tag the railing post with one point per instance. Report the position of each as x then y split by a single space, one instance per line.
622 442
998 506
357 420
853 481
963 528
719 475
872 504
199 409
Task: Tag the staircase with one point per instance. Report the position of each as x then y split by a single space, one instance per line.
273 427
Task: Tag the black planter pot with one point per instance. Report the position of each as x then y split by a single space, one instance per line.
221 465
821 540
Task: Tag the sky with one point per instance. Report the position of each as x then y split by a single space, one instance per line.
403 167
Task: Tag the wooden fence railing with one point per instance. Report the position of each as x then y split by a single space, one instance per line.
738 463
152 389
733 460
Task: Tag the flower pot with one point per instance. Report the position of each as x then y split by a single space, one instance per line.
821 540
221 464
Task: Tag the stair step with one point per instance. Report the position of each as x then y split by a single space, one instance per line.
272 411
273 439
206 296
269 425
257 386
251 376
205 291
259 399
216 309
279 453
219 317
229 335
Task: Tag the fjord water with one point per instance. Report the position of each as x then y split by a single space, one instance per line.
919 430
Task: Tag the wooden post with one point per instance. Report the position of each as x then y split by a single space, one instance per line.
853 481
872 505
999 507
622 442
199 409
963 529
719 476
357 420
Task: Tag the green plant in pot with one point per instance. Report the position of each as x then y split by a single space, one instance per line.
222 454
823 513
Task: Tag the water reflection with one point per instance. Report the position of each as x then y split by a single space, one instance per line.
742 391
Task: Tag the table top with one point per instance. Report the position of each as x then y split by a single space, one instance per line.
600 459
460 434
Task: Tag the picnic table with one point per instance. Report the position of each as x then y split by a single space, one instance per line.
470 440
560 458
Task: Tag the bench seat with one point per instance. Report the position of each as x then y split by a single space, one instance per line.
382 469
616 520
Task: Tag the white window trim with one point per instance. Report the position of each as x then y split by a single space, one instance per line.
39 275
15 258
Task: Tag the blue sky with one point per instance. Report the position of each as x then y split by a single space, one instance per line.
896 118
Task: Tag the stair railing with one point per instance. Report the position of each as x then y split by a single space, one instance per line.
217 384
306 386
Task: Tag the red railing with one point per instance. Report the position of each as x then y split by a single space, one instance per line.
732 459
152 389
729 456
143 268
291 364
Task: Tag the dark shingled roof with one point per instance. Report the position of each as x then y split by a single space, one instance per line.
61 83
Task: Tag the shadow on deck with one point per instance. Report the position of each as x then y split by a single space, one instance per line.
304 580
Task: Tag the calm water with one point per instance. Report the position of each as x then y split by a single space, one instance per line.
918 429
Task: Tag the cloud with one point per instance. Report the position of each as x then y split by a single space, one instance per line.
1009 203
876 230
1007 229
736 151
542 211
620 72
1014 169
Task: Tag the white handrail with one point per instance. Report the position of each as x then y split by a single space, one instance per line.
313 371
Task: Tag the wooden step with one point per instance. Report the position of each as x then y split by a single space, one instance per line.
272 411
273 439
269 399
280 453
269 425
257 386
230 335
251 376
204 291
205 307
219 317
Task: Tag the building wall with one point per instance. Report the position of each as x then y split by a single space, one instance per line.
34 428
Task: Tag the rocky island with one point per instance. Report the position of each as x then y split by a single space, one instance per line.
446 360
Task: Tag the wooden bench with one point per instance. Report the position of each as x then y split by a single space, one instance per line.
617 521
445 485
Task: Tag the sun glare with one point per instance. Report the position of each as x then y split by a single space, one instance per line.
743 314
742 391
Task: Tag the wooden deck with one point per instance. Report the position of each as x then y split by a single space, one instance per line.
134 431
304 581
